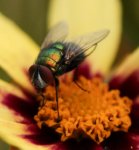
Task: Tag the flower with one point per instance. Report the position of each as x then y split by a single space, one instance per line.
94 114
17 99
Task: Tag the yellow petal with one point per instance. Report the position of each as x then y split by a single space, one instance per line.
9 88
12 132
129 65
87 16
17 51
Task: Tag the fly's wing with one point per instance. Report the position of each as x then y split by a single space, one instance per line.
80 48
56 34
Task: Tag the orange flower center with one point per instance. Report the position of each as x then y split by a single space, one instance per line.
93 114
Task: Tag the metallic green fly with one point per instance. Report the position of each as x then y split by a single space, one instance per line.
59 56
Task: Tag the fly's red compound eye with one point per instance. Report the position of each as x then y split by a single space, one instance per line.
46 74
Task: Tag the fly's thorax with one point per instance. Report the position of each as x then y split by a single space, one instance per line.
51 56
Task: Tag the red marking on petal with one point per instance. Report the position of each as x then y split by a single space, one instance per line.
47 136
123 141
85 70
44 136
134 140
26 108
128 86
135 115
77 145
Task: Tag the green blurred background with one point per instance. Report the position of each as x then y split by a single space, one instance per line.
31 16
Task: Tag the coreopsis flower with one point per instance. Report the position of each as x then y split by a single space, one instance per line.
105 117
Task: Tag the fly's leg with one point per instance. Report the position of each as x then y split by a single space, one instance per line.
76 71
43 98
75 81
56 89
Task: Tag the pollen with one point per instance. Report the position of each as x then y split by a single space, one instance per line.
94 114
